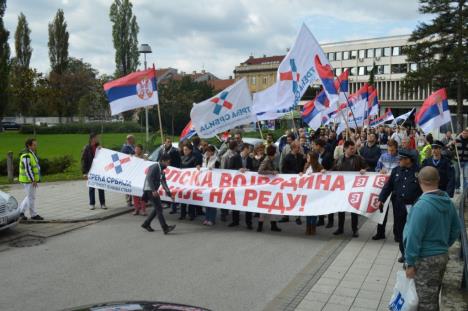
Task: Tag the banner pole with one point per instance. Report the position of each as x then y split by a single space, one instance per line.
458 157
260 129
160 125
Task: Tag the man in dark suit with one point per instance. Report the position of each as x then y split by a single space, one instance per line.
155 178
241 161
443 166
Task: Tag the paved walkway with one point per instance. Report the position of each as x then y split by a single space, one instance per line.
68 201
361 277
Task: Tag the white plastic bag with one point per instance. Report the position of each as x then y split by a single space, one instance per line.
404 296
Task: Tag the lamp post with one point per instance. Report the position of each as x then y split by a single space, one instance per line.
145 49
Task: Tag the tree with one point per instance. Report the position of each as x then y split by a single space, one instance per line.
58 43
4 60
440 50
23 42
124 34
372 75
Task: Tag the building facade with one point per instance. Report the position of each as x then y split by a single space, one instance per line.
359 56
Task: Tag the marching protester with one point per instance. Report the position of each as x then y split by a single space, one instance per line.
349 162
286 149
293 163
269 140
267 167
325 159
154 179
29 177
371 152
443 166
139 203
188 160
246 165
312 166
129 148
461 143
387 162
174 154
447 139
210 161
196 150
426 150
404 190
432 227
227 163
89 152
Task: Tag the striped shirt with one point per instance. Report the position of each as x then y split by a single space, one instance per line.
387 162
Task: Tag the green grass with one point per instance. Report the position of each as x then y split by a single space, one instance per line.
54 145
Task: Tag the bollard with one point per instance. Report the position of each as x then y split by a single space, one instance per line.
10 166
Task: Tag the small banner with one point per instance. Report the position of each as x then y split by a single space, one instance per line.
283 194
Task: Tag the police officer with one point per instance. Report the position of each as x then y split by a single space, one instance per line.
404 188
444 166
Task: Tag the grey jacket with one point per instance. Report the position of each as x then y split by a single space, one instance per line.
155 178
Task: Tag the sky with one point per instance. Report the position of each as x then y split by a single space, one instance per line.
215 35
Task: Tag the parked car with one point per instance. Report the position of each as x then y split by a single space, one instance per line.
9 211
9 125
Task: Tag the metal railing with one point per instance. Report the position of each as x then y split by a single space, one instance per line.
464 239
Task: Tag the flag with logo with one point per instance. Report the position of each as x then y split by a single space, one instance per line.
295 73
188 132
434 112
387 116
136 90
403 117
228 109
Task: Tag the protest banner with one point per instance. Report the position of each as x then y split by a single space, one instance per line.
282 194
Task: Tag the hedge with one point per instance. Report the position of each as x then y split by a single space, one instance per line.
48 167
83 128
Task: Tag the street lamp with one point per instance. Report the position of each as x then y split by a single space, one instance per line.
145 49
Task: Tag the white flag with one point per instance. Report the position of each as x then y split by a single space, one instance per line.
228 109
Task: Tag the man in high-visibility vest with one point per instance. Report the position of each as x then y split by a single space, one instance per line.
29 177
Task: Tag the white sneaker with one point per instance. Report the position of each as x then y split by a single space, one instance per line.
103 207
92 207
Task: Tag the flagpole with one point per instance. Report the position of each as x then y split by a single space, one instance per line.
347 102
458 157
260 129
159 114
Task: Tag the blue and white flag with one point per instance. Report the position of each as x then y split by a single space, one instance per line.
228 109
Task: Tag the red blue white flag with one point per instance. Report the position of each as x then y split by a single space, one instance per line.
387 116
311 115
434 112
136 90
188 132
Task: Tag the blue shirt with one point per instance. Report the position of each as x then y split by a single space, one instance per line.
388 162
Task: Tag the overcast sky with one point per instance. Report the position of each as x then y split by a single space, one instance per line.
215 35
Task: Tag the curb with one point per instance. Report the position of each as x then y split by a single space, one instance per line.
104 215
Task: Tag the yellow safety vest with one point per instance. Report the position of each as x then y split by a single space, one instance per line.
23 177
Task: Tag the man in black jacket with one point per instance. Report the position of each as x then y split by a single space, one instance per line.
87 158
371 152
154 179
167 148
444 166
327 161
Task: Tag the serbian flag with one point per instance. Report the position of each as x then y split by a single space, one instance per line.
136 90
311 115
373 104
342 85
388 116
327 78
188 132
434 112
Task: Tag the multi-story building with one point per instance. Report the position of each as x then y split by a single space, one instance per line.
359 56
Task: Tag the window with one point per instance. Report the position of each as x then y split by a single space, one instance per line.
368 69
370 53
361 71
378 52
331 57
338 71
353 54
387 51
386 69
396 51
399 68
362 53
353 71
338 56
345 55
413 67
380 70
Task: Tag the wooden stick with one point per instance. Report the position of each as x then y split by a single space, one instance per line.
160 124
260 129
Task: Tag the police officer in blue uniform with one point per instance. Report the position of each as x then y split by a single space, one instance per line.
404 188
444 166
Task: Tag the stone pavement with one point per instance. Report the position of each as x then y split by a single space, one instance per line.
68 201
361 277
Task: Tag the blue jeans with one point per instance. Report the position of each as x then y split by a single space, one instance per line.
210 214
92 196
311 220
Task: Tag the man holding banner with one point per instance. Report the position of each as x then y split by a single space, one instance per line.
155 178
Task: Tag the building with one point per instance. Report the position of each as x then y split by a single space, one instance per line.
359 56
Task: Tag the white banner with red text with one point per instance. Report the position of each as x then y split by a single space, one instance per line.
283 194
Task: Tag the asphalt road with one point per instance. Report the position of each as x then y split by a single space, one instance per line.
219 268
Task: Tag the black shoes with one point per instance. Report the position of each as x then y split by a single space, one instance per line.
321 222
233 224
378 237
298 221
173 212
260 226
147 228
338 232
329 225
181 217
355 234
401 259
23 217
169 229
274 226
37 217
